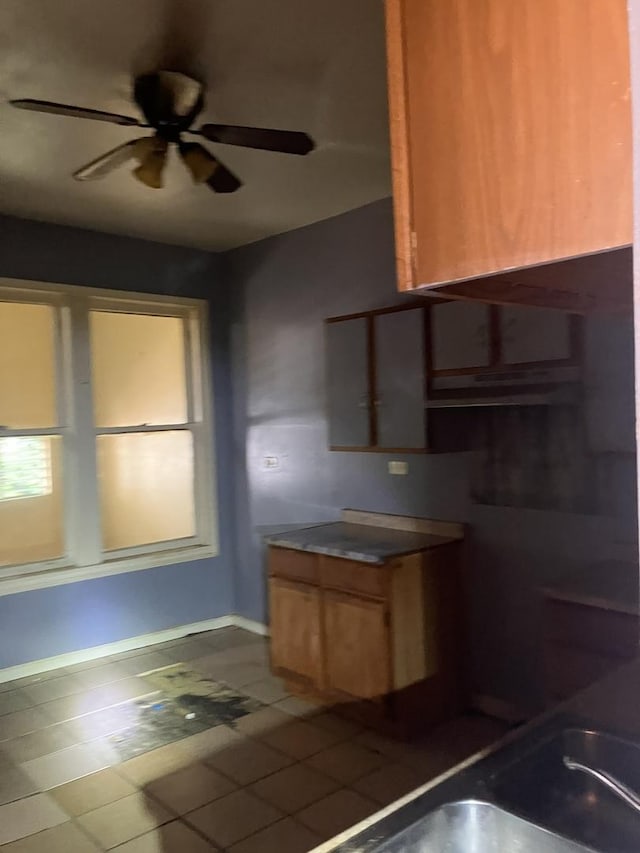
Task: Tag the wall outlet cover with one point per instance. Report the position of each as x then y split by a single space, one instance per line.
398 468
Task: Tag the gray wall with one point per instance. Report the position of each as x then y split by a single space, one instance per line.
48 622
284 287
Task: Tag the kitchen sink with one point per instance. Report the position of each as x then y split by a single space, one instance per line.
472 826
540 787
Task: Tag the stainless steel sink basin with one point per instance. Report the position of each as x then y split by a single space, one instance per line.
540 787
470 826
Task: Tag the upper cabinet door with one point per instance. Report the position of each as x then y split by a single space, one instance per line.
535 335
400 379
460 335
511 134
348 384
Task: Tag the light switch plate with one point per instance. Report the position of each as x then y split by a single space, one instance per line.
398 468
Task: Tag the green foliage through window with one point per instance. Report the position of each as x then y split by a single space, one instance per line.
25 467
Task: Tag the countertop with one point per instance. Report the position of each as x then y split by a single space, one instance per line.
362 542
612 705
610 585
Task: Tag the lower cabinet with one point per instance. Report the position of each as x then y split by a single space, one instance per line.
381 643
295 647
358 664
583 643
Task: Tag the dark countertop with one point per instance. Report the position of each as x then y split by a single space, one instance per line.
362 542
610 585
611 705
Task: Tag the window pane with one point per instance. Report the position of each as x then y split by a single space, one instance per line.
146 487
27 366
31 500
138 369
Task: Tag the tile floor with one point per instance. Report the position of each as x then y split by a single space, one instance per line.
283 778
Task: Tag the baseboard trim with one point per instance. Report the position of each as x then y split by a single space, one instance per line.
95 652
250 625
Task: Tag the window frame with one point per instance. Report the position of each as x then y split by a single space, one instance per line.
85 557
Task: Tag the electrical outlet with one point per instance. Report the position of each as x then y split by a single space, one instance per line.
270 462
401 468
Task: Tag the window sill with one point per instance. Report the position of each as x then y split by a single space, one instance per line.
41 579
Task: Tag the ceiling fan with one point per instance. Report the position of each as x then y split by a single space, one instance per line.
170 102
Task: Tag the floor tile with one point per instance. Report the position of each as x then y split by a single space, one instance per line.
294 788
55 769
123 820
286 836
205 744
96 699
346 762
298 707
189 789
35 679
235 674
53 688
388 783
99 723
36 744
345 729
21 723
336 812
99 675
15 784
92 792
65 838
299 739
233 818
268 690
14 700
247 761
174 837
25 817
187 651
155 764
261 722
144 663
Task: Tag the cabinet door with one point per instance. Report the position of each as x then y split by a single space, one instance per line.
510 125
295 630
358 651
400 379
534 335
460 335
348 392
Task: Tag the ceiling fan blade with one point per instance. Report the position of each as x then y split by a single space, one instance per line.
207 169
74 112
107 163
151 152
285 141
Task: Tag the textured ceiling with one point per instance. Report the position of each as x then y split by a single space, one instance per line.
292 64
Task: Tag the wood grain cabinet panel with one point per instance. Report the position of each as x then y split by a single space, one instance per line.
511 134
357 654
296 644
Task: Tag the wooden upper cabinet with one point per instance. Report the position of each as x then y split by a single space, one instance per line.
511 134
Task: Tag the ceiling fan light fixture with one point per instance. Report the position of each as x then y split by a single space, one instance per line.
151 153
199 162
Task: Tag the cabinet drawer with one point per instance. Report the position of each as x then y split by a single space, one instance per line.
297 565
602 631
351 576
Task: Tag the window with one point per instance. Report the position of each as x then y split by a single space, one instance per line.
105 432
